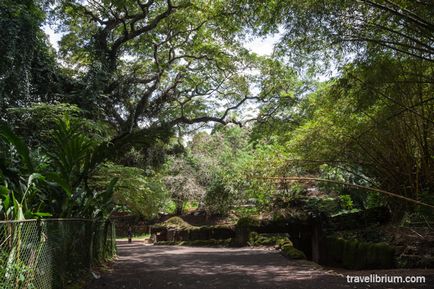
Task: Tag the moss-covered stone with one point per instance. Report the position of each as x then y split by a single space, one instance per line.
291 252
256 239
247 222
182 235
199 243
353 254
222 232
385 255
200 233
211 242
176 222
334 250
362 255
349 258
164 243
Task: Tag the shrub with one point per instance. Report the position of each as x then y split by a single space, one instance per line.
282 242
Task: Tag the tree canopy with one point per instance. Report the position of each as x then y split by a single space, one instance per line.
146 101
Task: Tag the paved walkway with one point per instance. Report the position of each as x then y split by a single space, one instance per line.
141 266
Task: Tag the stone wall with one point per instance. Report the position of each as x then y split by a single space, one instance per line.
192 234
353 254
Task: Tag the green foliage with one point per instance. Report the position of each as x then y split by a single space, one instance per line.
143 195
346 202
37 123
18 198
27 66
319 32
354 128
225 162
215 161
283 241
327 205
218 199
135 75
15 273
52 181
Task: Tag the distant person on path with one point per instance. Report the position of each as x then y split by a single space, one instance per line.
130 234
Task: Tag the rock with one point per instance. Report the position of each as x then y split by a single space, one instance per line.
291 252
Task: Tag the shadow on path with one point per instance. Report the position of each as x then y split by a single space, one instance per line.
141 266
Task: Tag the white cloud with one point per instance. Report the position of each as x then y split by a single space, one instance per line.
263 45
53 36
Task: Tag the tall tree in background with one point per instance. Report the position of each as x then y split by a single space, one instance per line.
27 63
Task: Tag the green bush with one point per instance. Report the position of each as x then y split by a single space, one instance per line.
265 241
283 241
346 202
253 236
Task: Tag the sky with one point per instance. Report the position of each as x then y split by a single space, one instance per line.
263 46
53 37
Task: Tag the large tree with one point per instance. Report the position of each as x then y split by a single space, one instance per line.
150 66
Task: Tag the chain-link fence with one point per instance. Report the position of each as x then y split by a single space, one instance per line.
52 253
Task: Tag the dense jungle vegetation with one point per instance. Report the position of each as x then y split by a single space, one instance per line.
157 106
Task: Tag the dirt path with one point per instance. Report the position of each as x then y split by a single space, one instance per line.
140 266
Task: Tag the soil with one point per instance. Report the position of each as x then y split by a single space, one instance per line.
140 266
